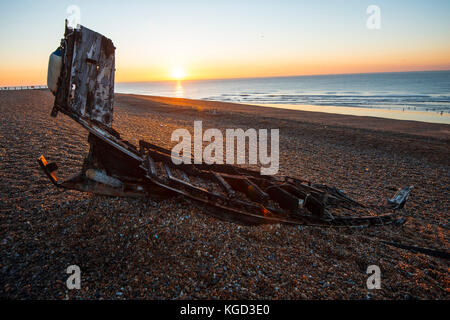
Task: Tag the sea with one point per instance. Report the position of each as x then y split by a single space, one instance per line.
418 96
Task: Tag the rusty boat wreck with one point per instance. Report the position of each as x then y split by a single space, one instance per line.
115 167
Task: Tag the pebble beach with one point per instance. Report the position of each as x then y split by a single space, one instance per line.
172 249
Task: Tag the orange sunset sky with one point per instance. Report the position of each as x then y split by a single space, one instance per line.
167 40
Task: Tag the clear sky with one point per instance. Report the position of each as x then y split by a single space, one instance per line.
160 40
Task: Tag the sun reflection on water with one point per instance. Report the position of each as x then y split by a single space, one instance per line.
179 90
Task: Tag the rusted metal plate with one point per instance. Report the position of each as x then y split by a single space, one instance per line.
86 86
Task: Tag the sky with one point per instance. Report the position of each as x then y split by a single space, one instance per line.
163 40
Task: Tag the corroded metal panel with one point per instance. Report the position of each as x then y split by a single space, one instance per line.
86 86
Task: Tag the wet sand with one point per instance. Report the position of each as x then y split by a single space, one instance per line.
129 248
408 113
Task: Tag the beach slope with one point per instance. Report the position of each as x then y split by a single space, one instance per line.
153 249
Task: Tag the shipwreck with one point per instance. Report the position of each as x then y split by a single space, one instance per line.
84 90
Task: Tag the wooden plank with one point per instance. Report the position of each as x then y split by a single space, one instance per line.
86 86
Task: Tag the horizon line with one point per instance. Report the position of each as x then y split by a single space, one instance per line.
263 77
284 76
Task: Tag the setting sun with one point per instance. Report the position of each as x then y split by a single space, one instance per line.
178 73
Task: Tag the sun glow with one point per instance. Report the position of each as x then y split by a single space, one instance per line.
178 73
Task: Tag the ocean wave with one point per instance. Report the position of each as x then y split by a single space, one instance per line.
422 102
